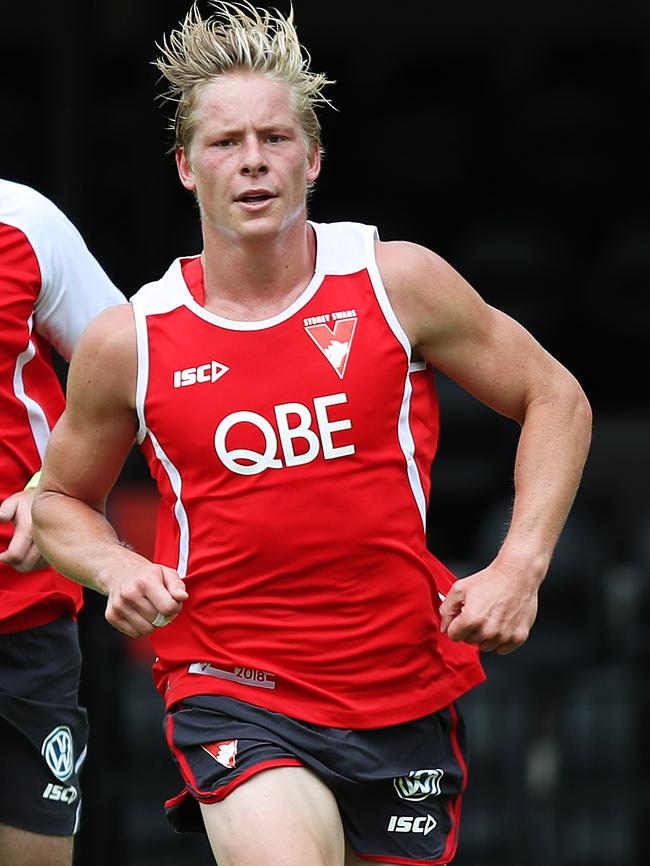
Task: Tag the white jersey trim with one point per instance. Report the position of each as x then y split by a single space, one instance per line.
36 417
337 252
77 767
404 433
163 295
160 296
74 288
179 509
232 324
142 370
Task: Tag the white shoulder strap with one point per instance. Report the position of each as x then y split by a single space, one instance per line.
342 248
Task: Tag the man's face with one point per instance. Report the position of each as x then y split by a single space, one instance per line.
248 162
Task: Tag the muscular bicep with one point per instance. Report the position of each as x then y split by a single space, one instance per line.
91 440
496 360
450 326
84 458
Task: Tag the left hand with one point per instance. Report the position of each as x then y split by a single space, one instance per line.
493 608
22 554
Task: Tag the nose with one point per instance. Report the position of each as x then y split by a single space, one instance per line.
253 161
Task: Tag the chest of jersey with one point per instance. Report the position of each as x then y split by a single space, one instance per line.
292 456
320 389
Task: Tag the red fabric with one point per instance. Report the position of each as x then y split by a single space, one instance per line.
26 600
193 275
456 803
132 511
314 572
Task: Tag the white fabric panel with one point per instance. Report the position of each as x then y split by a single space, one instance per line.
179 509
38 422
74 288
404 431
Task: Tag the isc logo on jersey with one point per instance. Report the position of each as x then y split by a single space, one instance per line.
302 433
209 372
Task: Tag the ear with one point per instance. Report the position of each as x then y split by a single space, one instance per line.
313 163
185 169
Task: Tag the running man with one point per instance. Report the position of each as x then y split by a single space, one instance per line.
281 384
51 287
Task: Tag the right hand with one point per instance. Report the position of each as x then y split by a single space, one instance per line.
21 554
494 608
138 592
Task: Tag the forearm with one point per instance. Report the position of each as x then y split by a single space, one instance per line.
551 453
78 540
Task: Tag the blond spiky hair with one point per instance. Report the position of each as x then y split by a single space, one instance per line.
237 37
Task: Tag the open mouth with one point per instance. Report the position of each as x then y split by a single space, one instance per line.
255 197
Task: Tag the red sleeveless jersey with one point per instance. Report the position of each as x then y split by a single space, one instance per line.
292 456
50 288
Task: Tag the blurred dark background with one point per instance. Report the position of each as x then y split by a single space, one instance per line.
511 138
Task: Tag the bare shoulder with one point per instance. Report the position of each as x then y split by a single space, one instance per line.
113 328
404 261
431 299
104 363
449 325
98 426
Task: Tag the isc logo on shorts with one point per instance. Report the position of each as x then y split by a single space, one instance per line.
296 426
408 824
58 792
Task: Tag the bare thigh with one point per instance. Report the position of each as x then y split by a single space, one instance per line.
22 848
351 859
280 817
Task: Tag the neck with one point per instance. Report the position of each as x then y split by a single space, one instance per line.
257 277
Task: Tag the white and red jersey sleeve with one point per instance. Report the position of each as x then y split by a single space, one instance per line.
293 456
50 288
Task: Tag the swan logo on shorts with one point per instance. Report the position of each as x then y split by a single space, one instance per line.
419 784
334 342
223 752
58 752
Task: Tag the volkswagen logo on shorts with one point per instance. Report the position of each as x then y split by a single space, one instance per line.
419 784
58 752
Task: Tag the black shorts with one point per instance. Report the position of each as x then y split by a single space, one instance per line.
398 788
43 731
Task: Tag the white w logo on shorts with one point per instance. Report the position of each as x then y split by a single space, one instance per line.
419 784
58 752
